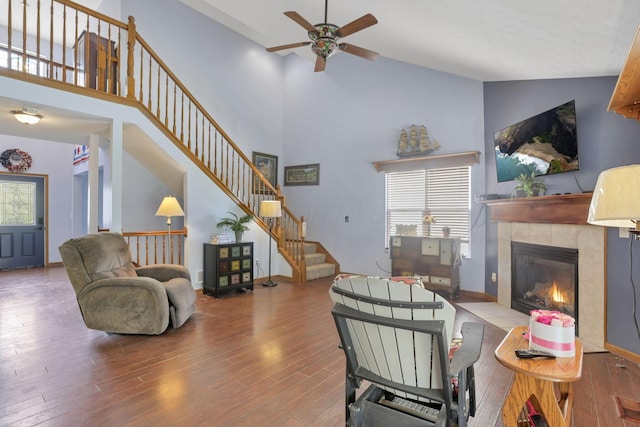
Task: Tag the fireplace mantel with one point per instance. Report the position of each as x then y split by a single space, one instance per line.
557 209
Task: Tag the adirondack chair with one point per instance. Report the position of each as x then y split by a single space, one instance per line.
396 335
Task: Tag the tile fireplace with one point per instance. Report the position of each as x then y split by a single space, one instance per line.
558 221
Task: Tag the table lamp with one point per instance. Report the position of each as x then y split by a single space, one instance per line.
169 207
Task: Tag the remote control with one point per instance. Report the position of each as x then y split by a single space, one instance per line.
525 353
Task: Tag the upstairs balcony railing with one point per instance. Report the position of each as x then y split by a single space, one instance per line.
62 44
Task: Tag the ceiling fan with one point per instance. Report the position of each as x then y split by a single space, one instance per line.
324 37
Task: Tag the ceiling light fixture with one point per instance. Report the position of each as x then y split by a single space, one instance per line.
28 116
324 37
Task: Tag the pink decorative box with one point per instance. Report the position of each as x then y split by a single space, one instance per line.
555 338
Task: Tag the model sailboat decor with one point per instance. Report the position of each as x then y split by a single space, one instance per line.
417 142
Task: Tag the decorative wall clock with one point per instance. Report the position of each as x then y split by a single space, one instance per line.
17 161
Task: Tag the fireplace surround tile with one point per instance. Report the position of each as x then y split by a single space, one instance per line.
591 244
592 238
540 234
565 236
520 232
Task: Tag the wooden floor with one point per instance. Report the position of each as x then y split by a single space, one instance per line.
266 358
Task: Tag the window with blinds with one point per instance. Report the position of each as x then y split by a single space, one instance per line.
442 193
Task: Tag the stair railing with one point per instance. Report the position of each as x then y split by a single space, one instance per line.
157 246
74 48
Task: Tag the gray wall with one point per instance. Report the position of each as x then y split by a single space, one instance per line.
605 140
344 119
236 80
350 116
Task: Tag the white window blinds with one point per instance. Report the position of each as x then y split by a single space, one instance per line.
442 193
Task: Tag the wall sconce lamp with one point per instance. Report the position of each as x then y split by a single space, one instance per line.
169 207
28 116
270 209
615 201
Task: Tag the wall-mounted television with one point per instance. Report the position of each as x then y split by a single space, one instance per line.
544 144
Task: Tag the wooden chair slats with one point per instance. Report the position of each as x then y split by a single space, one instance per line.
397 334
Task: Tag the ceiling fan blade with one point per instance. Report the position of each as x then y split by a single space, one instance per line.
287 46
301 21
357 25
320 64
359 51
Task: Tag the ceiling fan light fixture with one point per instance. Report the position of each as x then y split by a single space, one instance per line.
324 30
325 47
324 37
325 40
28 116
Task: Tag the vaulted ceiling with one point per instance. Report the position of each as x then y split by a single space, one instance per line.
489 40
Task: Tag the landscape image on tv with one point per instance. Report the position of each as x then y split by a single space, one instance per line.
543 144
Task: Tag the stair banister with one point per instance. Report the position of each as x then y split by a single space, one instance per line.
152 88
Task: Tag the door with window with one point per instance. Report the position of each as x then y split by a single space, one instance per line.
21 221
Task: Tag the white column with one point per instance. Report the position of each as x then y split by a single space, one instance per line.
117 153
94 190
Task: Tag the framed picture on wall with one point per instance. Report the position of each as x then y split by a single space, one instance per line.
267 164
302 174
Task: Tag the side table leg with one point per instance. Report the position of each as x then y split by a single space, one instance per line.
566 401
522 389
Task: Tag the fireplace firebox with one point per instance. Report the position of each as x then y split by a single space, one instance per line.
544 277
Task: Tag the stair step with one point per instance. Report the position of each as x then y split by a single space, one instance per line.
320 270
310 248
314 259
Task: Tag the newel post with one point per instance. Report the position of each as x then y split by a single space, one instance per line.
131 43
278 228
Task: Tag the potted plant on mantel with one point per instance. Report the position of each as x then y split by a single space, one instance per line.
529 186
236 224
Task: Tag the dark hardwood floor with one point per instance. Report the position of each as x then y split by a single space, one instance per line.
266 358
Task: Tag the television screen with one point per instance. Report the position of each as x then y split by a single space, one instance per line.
543 144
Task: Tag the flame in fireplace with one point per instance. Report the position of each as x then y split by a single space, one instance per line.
557 296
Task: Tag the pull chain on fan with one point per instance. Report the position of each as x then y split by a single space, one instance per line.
324 37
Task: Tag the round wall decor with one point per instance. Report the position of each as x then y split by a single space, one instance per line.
15 160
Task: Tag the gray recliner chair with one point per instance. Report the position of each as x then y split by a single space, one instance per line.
116 296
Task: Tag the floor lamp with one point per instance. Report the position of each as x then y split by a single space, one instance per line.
169 207
270 209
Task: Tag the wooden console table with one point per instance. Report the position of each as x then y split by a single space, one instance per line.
536 377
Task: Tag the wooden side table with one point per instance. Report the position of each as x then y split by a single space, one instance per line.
537 377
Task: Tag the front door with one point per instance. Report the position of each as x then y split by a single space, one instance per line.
21 221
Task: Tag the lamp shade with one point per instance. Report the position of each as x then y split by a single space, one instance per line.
270 209
169 207
616 198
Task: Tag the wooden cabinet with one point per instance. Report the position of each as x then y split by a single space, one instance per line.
98 61
227 267
436 260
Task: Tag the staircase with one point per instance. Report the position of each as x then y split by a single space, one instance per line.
129 72
319 263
